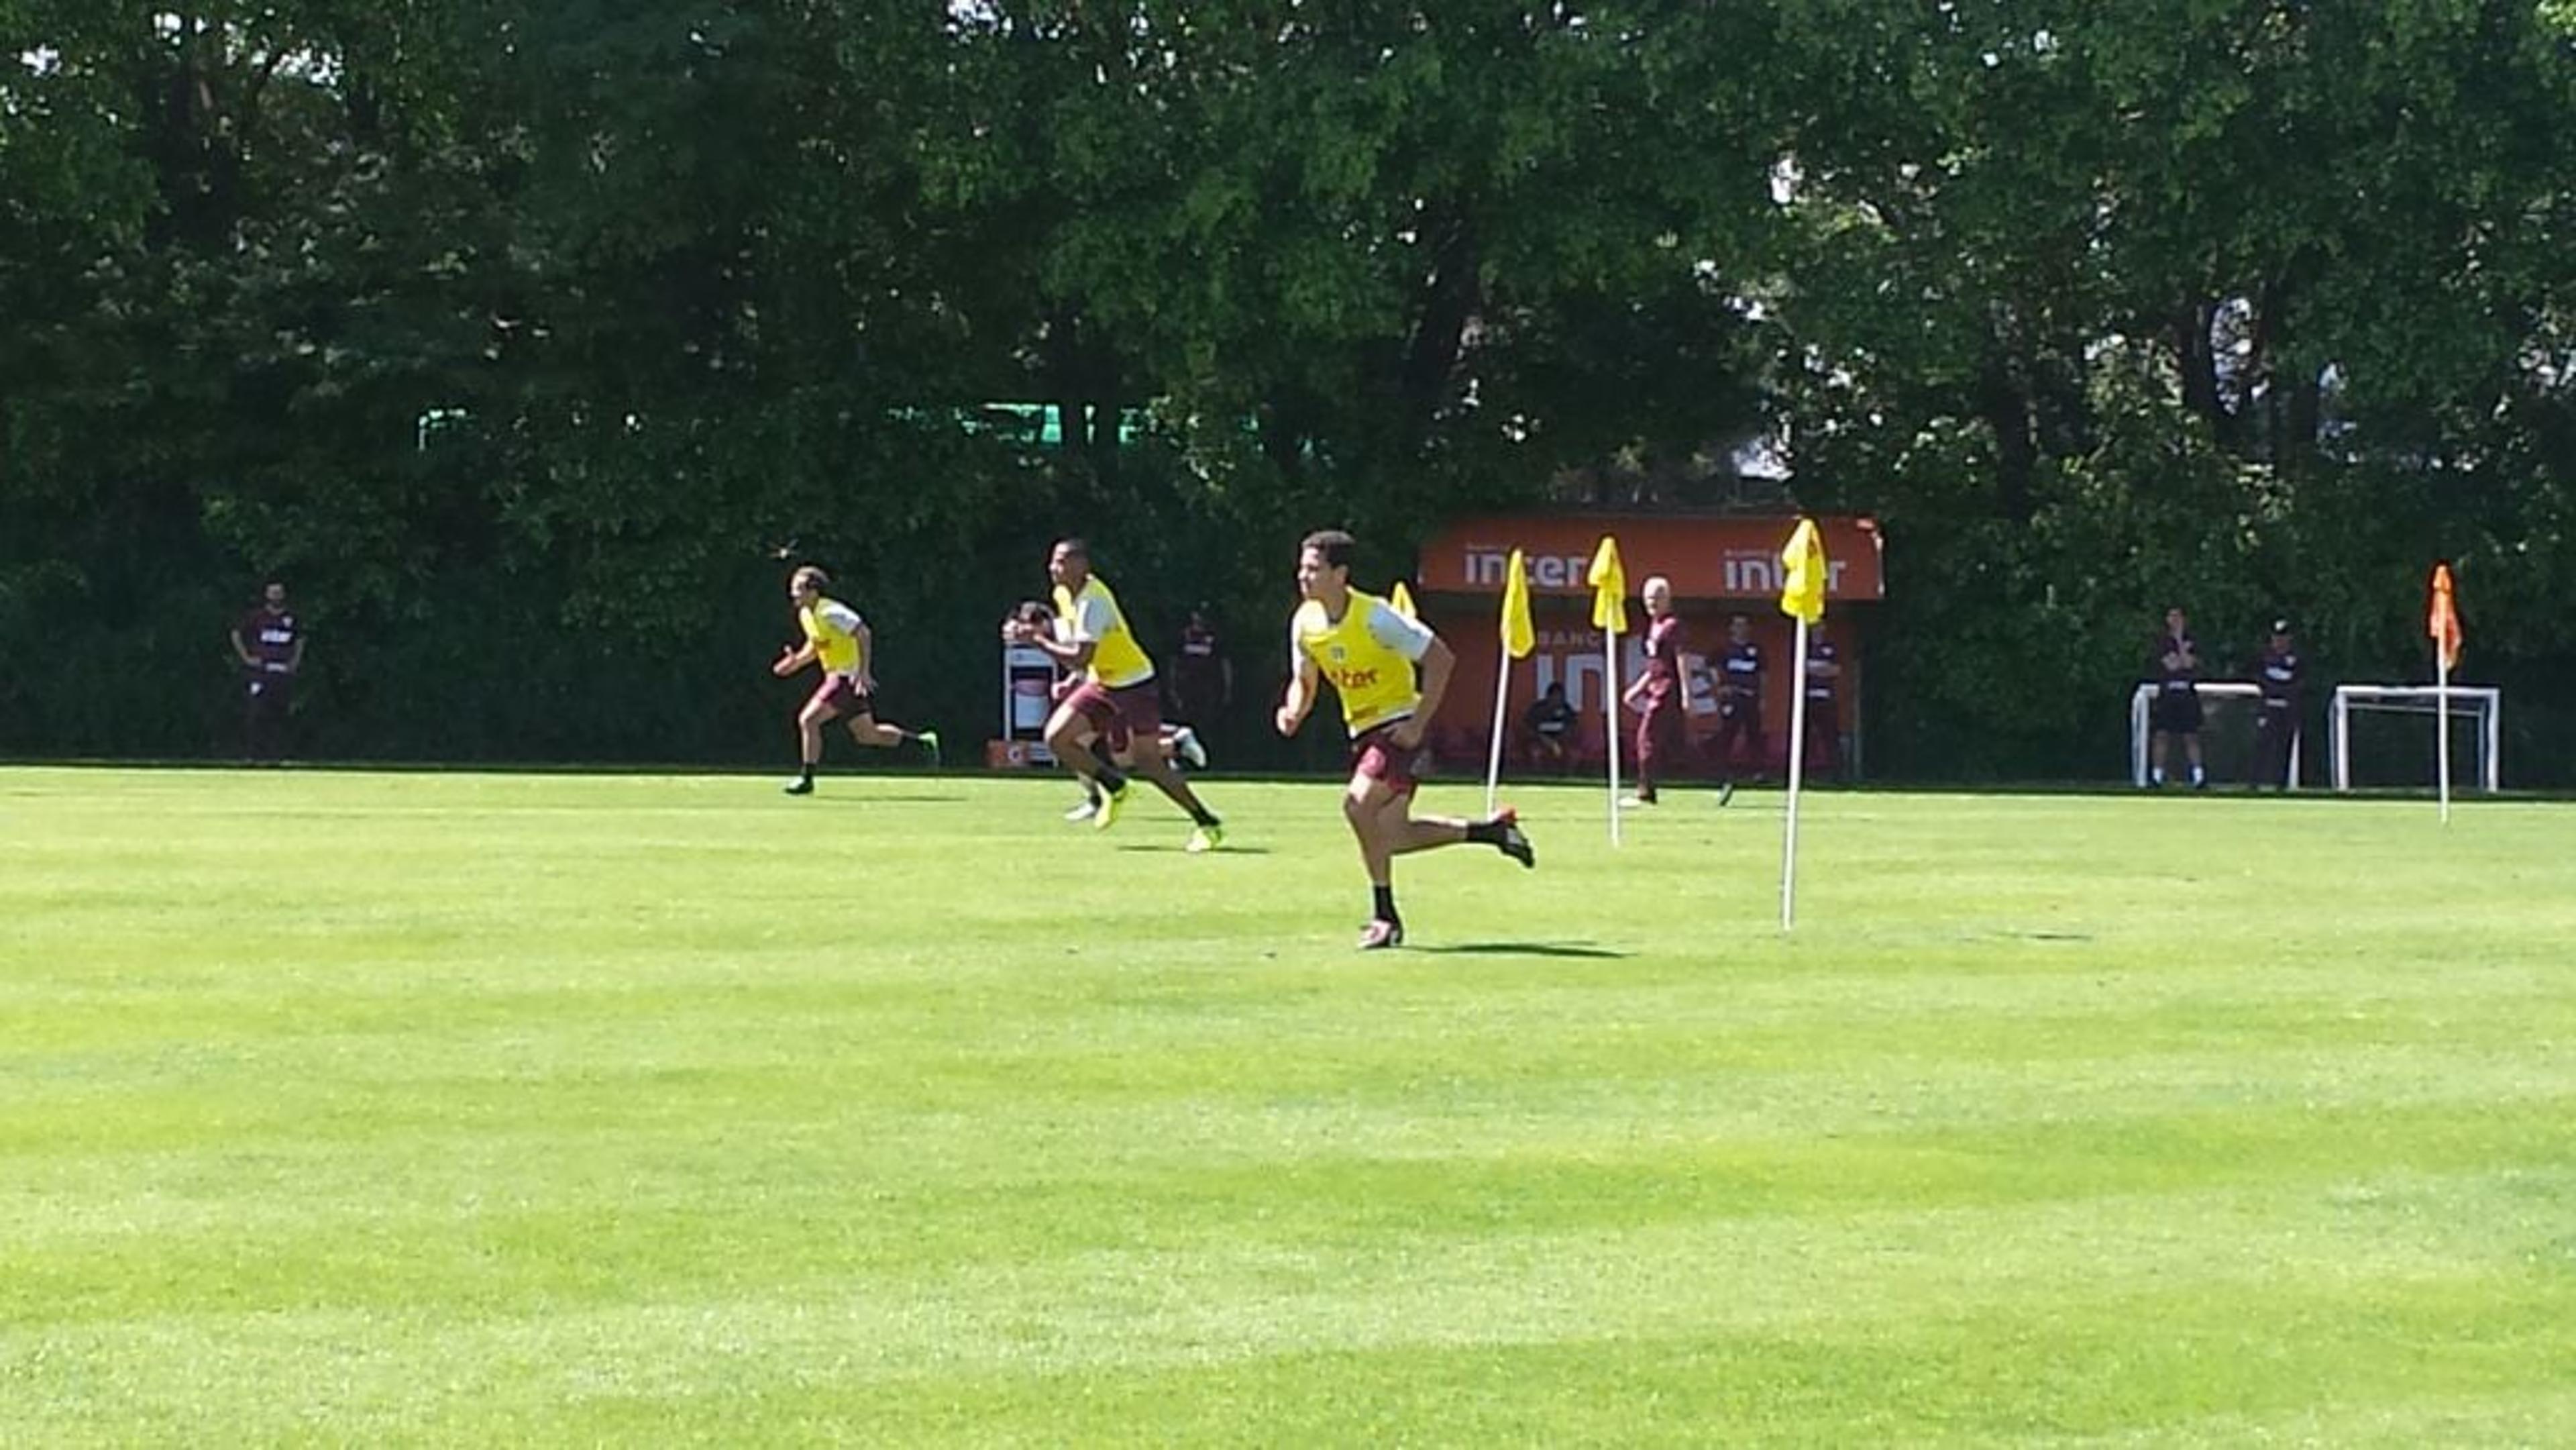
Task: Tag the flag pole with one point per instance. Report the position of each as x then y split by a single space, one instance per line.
1797 771
1610 720
2442 725
1502 695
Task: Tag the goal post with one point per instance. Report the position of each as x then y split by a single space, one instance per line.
2141 728
2481 705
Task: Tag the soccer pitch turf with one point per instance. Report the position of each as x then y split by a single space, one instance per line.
415 1108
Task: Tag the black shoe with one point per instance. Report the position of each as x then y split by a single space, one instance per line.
801 785
1515 842
1726 792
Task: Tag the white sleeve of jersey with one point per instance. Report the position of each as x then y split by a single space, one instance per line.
1410 638
1091 619
841 617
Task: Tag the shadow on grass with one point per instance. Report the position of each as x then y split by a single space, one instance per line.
1525 949
882 799
1180 850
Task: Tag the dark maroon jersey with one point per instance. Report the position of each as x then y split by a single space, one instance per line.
270 635
1740 673
1664 658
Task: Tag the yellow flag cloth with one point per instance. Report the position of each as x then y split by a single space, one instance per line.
1401 600
1518 637
1802 574
2443 622
1609 588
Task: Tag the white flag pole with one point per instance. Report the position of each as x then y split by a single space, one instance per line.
1797 771
1502 697
2442 724
1610 720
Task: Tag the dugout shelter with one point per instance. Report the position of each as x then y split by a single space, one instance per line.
1720 566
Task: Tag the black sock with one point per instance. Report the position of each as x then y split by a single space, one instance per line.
1384 906
1205 817
1091 791
1110 780
805 771
1485 833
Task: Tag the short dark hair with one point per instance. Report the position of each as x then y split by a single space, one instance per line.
1334 546
811 575
1075 547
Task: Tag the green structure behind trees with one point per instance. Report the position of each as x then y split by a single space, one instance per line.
522 338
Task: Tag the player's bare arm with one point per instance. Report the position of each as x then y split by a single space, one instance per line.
792 660
1436 664
1301 696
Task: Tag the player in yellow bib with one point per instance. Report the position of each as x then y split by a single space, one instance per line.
1390 672
838 640
1117 709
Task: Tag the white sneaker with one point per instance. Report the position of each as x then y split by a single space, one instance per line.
1083 812
1186 741
1633 802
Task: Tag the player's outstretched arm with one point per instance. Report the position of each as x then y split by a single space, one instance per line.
790 661
1302 679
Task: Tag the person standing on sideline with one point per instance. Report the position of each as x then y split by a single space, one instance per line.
1202 682
2283 681
1824 729
1390 673
1660 695
839 640
2174 662
269 642
1739 704
1116 706
1547 725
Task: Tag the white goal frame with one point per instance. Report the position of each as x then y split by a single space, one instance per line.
2141 707
2486 702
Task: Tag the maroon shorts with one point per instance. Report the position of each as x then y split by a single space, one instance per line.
1375 755
842 696
1122 715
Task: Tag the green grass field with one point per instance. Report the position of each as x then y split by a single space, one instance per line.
410 1108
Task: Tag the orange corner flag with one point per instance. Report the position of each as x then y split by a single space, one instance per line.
2444 621
1400 599
1803 573
1609 584
1519 638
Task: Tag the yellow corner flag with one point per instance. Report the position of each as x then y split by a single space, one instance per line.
2443 622
1518 637
1400 599
1609 588
1802 574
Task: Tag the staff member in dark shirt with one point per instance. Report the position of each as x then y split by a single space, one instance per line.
1739 703
1548 726
2174 663
269 643
2283 678
1824 728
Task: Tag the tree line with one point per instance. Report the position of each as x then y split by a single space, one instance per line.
527 340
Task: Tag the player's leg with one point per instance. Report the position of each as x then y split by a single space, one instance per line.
819 711
868 730
1364 801
1071 733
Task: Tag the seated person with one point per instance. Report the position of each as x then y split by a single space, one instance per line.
1549 728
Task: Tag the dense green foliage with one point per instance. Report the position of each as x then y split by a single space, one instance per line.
520 337
575 1110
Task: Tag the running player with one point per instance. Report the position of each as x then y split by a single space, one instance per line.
1117 701
1372 655
839 640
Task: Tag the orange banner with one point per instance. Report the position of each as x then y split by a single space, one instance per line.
1706 558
